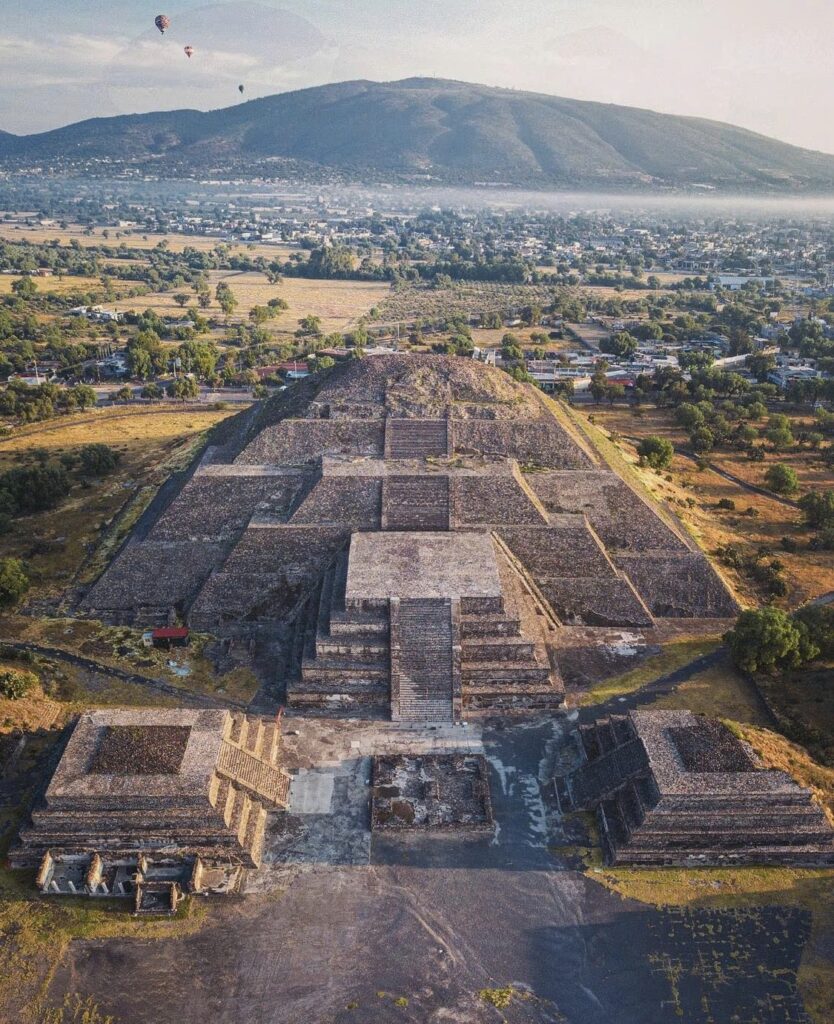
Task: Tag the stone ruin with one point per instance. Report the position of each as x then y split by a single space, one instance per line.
674 788
431 792
298 529
152 804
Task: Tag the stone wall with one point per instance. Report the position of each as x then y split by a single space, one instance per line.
353 501
297 442
267 574
684 586
621 517
486 499
154 573
220 507
541 442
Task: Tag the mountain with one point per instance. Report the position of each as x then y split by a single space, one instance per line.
451 131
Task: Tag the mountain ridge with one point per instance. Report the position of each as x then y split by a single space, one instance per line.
444 130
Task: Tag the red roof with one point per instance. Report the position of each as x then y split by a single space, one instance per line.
170 633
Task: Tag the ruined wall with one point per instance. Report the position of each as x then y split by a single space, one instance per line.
296 442
267 573
218 506
623 520
540 442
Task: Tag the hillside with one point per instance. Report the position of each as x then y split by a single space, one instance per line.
451 131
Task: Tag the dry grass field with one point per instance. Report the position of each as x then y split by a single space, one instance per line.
339 304
484 338
808 573
151 443
134 239
59 285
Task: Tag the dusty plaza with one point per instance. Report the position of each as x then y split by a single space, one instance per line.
424 813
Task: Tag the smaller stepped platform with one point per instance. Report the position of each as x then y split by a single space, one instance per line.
173 783
674 788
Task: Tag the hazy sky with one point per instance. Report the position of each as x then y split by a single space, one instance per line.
763 64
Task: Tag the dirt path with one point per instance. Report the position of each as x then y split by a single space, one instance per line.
187 697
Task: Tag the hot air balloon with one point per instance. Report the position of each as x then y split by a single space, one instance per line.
240 89
162 21
188 51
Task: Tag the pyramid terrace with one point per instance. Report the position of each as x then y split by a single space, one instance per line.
674 788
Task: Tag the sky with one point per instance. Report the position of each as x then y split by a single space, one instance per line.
762 64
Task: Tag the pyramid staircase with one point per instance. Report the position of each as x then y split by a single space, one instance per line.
416 438
424 650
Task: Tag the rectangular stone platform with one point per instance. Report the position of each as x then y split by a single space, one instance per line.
421 565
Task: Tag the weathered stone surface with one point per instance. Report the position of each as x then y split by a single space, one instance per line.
172 783
671 787
392 478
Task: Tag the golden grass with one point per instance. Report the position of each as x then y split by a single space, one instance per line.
339 304
674 656
808 573
134 239
60 285
718 691
152 445
778 752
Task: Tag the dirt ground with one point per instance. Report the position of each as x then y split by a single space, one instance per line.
341 927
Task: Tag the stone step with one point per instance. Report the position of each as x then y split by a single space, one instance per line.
358 624
357 648
358 684
491 648
474 627
415 438
425 660
482 672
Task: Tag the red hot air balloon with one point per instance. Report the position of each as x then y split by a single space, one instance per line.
188 51
162 21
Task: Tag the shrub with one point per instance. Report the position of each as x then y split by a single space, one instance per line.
15 683
818 620
782 479
97 459
14 582
726 503
818 507
656 452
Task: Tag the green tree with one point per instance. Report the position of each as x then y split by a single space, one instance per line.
25 288
656 452
97 459
689 416
818 507
622 344
818 620
14 582
782 479
183 388
225 298
768 638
